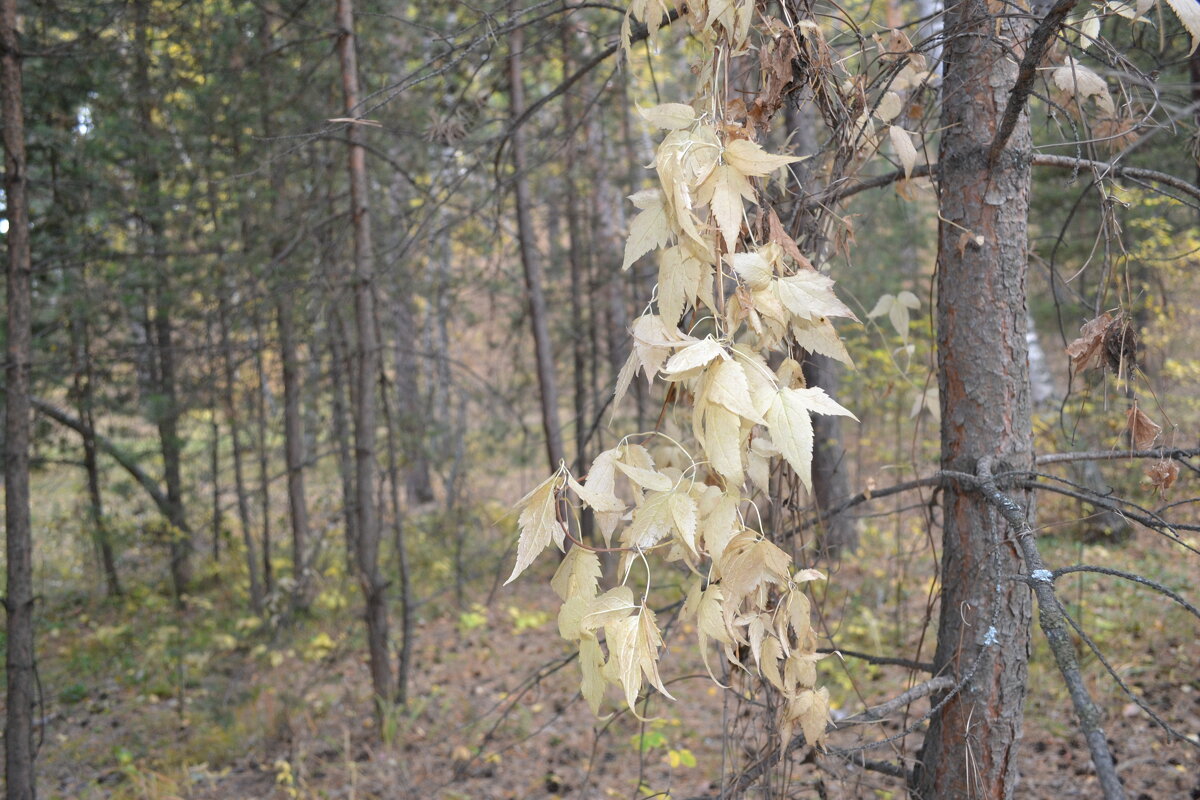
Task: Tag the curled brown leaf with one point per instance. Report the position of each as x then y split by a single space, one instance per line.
1143 430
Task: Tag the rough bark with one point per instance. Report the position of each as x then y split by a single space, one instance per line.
983 629
529 258
365 361
20 696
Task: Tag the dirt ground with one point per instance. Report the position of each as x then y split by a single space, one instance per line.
494 714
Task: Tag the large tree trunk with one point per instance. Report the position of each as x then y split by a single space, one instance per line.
529 258
983 630
20 696
366 357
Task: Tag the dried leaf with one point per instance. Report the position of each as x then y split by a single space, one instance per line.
538 524
1142 430
752 161
791 426
670 116
1087 350
1162 474
650 229
906 151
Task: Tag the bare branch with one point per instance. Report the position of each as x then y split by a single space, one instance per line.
1035 51
834 194
1050 618
1116 455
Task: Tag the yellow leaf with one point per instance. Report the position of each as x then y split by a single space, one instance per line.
809 295
602 611
538 524
577 575
683 514
728 387
751 160
693 357
728 188
650 479
819 336
591 659
652 521
791 427
722 442
905 150
752 268
670 116
650 229
890 106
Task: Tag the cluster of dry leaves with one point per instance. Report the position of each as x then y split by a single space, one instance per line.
1110 341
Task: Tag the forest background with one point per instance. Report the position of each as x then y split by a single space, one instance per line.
316 291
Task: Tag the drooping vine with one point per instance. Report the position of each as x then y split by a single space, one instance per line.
734 298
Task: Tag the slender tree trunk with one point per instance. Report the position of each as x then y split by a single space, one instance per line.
180 545
239 477
84 403
577 262
264 453
20 697
406 607
418 486
160 329
293 435
366 358
529 259
983 630
830 470
341 434
214 453
283 284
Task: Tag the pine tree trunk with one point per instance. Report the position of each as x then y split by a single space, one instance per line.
20 696
529 259
264 454
84 404
365 366
159 326
341 434
214 453
293 435
239 477
576 260
983 630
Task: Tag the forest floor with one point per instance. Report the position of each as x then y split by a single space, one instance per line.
143 701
